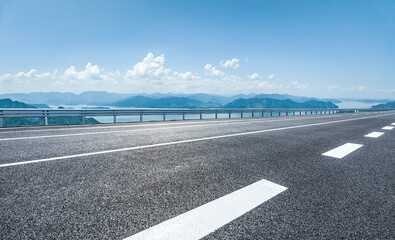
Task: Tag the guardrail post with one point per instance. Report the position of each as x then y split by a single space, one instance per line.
230 114
263 113
241 114
252 114
164 116
115 119
1 122
201 116
46 121
216 115
83 119
286 113
141 116
183 116
271 113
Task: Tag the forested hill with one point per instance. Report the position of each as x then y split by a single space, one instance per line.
8 103
386 105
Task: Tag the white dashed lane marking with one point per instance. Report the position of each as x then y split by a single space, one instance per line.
374 134
388 128
343 150
209 217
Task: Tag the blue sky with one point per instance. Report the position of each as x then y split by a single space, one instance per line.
310 48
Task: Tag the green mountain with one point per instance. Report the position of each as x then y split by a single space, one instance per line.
275 103
386 105
171 102
8 103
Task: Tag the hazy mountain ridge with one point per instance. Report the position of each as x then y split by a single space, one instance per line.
171 102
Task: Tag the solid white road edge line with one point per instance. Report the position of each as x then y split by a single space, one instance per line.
170 125
343 150
175 126
387 128
185 141
211 216
374 134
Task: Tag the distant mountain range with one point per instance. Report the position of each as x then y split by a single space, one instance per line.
182 102
102 98
171 102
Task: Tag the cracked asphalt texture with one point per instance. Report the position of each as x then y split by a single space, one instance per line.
115 195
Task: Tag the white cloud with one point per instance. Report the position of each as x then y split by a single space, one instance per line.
212 71
151 66
296 84
91 72
186 76
269 85
333 87
26 77
230 64
254 76
360 88
150 75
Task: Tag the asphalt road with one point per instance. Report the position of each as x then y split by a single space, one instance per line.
115 181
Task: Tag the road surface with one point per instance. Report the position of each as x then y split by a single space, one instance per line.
296 177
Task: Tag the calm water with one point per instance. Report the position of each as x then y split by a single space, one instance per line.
148 118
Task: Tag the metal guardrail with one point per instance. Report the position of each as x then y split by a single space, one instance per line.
46 113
